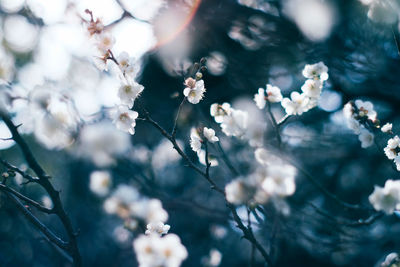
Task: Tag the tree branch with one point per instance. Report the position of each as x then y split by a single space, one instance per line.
43 180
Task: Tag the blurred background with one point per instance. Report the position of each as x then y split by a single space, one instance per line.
247 43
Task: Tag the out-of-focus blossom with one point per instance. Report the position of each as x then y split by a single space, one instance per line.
102 143
164 154
391 260
366 138
387 128
121 201
201 154
149 210
104 42
314 18
155 251
195 140
274 94
213 259
259 98
279 180
216 63
100 182
387 198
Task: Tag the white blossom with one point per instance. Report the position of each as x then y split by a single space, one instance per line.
121 201
235 124
127 65
100 182
201 154
102 143
259 98
296 105
366 108
194 91
213 259
100 61
156 251
220 111
393 145
129 91
195 140
366 138
239 191
391 260
387 128
316 71
164 154
125 119
157 228
209 133
47 202
387 198
149 210
104 42
397 162
274 94
312 88
279 180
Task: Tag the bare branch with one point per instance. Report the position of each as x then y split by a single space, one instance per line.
35 221
26 199
45 183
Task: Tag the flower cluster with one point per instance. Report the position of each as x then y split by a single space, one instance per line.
387 198
155 251
298 103
50 115
123 117
273 179
360 115
129 205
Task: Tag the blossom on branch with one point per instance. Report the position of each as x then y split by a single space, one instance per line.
194 90
125 119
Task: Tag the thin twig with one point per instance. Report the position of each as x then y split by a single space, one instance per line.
26 199
175 128
226 160
35 221
276 125
30 178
